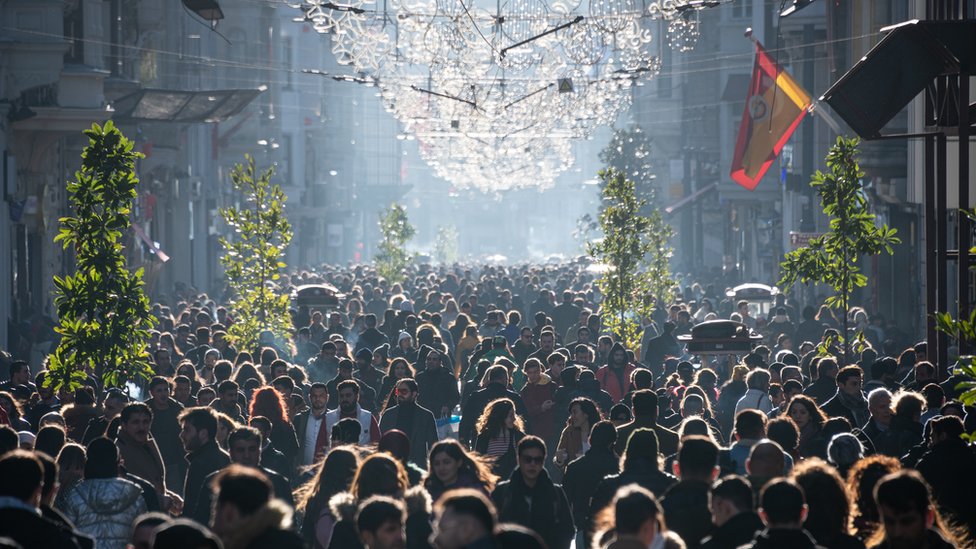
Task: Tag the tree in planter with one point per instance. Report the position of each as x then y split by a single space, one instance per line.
104 314
832 258
446 245
252 258
396 231
636 250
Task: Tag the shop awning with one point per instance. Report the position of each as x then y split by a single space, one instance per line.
188 107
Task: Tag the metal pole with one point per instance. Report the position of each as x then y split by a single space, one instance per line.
965 229
942 233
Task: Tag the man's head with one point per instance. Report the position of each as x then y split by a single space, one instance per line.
23 476
750 425
766 460
729 496
244 444
20 373
531 457
198 427
546 341
345 369
782 504
879 404
159 388
227 394
143 529
603 435
827 368
462 517
136 421
381 521
348 391
849 380
497 374
113 404
637 514
645 404
697 459
318 396
905 506
407 391
240 493
618 356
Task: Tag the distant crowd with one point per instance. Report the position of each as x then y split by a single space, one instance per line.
490 407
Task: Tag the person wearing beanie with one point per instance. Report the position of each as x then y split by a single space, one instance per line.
405 348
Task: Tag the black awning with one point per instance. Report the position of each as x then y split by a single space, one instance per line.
188 107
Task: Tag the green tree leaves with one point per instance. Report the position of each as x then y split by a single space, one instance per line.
104 313
832 258
395 231
636 250
253 255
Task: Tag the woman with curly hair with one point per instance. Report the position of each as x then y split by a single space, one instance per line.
861 480
574 440
499 431
269 403
246 372
334 476
450 466
380 475
809 420
829 510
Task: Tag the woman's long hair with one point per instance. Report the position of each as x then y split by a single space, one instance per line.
380 474
334 475
474 463
817 417
269 403
492 420
245 372
588 407
829 509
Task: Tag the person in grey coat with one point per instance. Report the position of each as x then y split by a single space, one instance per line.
414 420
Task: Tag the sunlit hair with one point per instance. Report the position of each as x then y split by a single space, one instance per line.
334 475
588 407
492 420
269 403
905 491
479 465
829 509
861 479
380 474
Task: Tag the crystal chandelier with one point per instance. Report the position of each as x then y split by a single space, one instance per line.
497 92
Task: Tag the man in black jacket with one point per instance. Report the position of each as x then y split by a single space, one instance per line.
783 509
585 473
438 386
849 401
826 386
414 420
198 431
497 388
530 498
685 504
20 497
735 522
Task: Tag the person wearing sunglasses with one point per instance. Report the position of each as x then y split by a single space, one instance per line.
529 497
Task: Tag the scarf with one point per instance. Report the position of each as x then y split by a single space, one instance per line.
857 405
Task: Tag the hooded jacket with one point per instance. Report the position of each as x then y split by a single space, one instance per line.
104 509
616 382
269 526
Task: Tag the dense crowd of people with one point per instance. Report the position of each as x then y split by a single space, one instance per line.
488 408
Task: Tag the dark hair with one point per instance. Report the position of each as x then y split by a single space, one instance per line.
227 385
588 407
243 487
470 461
735 489
409 382
782 501
492 419
471 503
333 475
244 433
285 381
530 442
134 408
183 533
603 434
158 380
16 366
951 426
380 474
645 403
22 474
750 424
103 459
346 431
848 372
9 440
201 418
348 384
783 431
698 455
50 473
817 417
377 510
829 509
50 439
632 507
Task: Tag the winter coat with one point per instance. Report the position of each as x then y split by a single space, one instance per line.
32 531
142 459
571 440
822 390
667 439
422 431
268 526
541 424
754 399
76 418
642 472
582 477
104 509
614 384
686 511
728 397
949 468
344 505
438 390
477 403
736 531
203 462
549 514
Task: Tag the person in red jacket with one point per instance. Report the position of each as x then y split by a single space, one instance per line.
614 378
539 395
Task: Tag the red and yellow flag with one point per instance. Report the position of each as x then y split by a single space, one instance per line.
774 108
